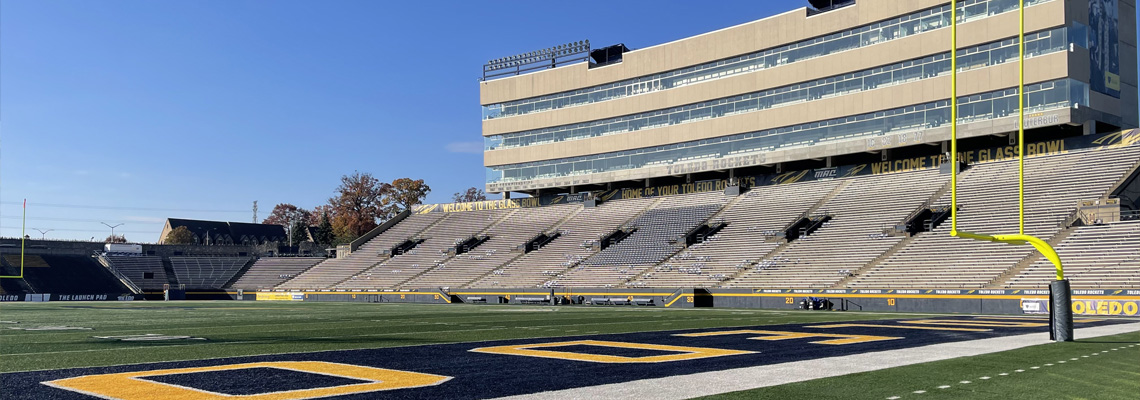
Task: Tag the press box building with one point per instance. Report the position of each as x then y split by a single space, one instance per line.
808 88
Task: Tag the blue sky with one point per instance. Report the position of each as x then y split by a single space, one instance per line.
134 111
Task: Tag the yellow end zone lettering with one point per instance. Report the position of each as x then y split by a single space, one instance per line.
929 328
995 324
126 386
838 339
684 352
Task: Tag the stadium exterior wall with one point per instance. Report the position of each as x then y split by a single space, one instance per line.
550 161
1086 302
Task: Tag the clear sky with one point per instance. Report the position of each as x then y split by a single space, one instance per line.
125 111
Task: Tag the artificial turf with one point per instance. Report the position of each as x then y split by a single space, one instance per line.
253 328
1106 367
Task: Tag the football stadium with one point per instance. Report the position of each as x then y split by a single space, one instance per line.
851 199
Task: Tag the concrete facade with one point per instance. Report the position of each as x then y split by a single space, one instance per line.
788 28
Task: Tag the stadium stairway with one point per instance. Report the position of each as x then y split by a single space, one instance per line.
579 234
506 239
138 268
743 243
655 238
240 272
1096 256
432 252
907 239
168 268
853 238
490 232
12 285
556 227
268 272
988 204
1033 256
719 217
336 270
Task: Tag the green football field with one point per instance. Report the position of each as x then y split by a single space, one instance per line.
71 339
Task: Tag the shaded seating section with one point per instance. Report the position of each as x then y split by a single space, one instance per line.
853 237
502 247
432 252
206 272
146 272
742 243
334 270
1099 256
655 239
265 273
988 204
65 274
546 266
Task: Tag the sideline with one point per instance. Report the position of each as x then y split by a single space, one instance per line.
732 380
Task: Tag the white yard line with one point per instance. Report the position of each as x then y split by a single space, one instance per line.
710 383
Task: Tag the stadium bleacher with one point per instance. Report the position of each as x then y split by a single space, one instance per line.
206 272
742 243
852 238
655 239
1097 256
431 253
545 266
265 273
988 204
501 247
69 274
146 272
334 270
854 241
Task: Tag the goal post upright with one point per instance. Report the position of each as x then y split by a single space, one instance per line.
1061 313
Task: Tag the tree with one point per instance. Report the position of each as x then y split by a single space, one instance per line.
294 219
359 202
471 194
325 230
405 194
115 239
299 232
179 235
320 212
286 215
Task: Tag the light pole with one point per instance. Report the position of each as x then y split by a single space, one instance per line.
43 232
112 229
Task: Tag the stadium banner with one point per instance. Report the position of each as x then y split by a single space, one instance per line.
279 296
1129 308
977 156
1104 46
1035 305
1077 293
39 297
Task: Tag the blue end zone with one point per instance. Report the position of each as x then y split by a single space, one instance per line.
237 382
484 375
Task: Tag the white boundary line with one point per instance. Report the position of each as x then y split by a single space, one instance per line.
717 382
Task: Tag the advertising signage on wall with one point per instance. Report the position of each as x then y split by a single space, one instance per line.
1103 45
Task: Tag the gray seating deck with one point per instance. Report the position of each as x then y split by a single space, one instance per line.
135 268
272 271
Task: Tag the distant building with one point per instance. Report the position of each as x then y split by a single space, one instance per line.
226 233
